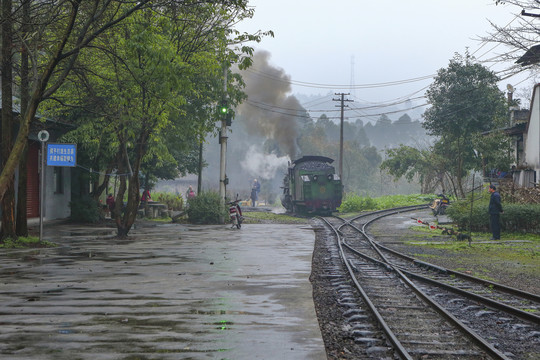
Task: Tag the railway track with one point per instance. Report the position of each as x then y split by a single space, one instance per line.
421 310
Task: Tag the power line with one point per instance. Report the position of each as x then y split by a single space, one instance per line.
338 86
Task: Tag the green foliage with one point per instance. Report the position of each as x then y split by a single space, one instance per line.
464 98
411 163
205 208
24 243
516 217
173 201
390 201
465 102
354 203
85 209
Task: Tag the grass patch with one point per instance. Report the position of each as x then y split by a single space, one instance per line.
516 252
165 219
256 217
356 203
478 235
25 243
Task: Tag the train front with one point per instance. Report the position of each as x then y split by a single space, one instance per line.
322 191
317 187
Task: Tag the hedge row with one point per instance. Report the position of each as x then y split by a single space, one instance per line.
515 218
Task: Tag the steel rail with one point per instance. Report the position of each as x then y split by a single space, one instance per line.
497 305
395 210
487 301
491 284
398 347
494 304
487 283
471 334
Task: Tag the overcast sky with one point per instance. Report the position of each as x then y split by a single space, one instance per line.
317 41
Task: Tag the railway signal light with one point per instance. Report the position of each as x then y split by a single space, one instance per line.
225 113
223 108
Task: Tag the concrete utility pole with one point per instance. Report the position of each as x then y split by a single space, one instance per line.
223 142
342 105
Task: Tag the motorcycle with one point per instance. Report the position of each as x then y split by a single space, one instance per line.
235 212
438 207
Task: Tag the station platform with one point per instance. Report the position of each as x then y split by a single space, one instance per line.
171 291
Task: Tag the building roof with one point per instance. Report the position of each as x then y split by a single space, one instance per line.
531 56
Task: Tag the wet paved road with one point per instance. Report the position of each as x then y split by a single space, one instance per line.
170 292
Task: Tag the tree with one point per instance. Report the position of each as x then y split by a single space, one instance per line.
56 50
412 163
25 31
8 202
154 80
62 30
465 101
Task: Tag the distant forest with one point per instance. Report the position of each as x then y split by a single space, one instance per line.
254 155
364 149
385 133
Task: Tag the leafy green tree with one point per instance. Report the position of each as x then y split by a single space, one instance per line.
412 163
465 101
62 30
152 85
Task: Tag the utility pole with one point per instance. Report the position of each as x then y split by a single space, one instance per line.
223 143
342 105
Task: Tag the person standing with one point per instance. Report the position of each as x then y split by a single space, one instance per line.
255 189
111 203
190 194
145 198
495 210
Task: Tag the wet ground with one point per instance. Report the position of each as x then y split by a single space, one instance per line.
170 292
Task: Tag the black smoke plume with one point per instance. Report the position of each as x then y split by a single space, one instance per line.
269 110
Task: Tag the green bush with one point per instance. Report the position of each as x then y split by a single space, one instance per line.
206 208
516 217
85 209
173 201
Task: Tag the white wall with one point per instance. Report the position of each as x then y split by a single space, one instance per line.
532 145
57 204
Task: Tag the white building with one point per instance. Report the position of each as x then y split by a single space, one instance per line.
525 128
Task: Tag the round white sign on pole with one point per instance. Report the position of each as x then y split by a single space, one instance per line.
43 135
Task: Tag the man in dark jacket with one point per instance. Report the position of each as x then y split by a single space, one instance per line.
255 188
495 209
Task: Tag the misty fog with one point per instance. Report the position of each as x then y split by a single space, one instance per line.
263 137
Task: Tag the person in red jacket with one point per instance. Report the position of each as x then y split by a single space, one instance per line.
111 204
145 197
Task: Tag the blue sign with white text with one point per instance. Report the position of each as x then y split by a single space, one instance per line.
61 154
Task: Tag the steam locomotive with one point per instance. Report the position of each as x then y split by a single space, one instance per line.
311 185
